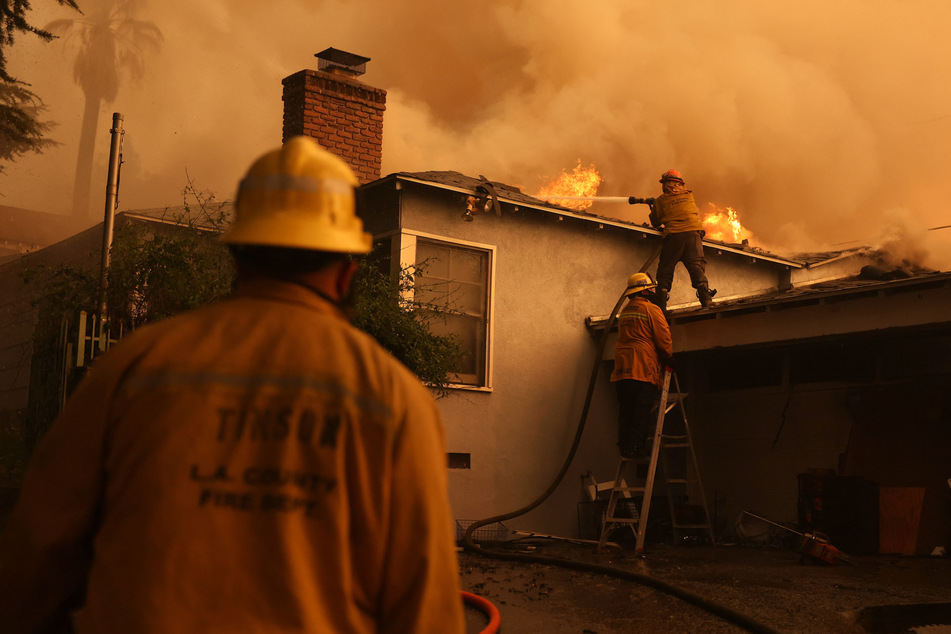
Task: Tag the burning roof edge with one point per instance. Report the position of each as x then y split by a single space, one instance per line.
455 181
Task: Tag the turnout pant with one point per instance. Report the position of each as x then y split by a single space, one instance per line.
683 247
635 400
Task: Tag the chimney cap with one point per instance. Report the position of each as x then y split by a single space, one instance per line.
334 59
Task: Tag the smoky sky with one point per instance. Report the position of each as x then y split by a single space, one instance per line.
825 125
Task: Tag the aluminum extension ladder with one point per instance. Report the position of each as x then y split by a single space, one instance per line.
666 442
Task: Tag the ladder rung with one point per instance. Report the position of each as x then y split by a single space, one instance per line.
622 520
674 436
680 480
628 489
675 445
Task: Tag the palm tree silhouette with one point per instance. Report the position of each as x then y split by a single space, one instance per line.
108 41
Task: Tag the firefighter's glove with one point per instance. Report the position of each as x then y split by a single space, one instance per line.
668 362
633 200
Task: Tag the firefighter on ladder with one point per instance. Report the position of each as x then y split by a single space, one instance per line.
643 349
677 212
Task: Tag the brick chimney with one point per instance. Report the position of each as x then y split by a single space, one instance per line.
344 115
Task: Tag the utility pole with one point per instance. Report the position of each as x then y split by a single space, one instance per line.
112 201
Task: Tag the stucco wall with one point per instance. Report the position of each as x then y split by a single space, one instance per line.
549 276
731 274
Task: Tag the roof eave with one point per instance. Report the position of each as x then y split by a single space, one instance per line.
565 212
597 323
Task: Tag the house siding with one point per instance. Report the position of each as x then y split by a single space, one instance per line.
549 276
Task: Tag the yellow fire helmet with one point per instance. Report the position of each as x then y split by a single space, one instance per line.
639 282
299 196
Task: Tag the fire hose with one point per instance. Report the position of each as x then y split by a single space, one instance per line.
632 200
712 607
492 612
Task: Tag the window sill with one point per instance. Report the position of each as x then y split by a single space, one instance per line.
468 388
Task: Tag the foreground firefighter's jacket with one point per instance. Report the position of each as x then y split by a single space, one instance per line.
643 334
258 466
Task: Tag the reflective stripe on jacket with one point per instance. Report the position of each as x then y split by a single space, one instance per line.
642 332
258 465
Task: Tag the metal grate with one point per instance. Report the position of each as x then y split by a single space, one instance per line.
496 532
333 58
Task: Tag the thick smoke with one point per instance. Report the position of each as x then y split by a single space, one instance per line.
905 243
814 120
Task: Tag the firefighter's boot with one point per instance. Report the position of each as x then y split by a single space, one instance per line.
705 295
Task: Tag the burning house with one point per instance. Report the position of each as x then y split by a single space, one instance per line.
825 370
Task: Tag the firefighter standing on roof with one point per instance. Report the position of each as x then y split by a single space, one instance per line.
677 212
643 347
257 465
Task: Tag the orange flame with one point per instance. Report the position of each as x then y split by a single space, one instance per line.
583 181
723 225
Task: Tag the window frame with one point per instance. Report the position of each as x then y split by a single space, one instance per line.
403 254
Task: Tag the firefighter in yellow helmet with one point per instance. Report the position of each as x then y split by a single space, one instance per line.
257 465
676 211
643 348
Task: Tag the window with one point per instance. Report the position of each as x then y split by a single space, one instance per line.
455 280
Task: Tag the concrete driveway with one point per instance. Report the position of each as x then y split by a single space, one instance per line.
767 586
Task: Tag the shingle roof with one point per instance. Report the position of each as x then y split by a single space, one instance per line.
872 279
461 181
204 217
